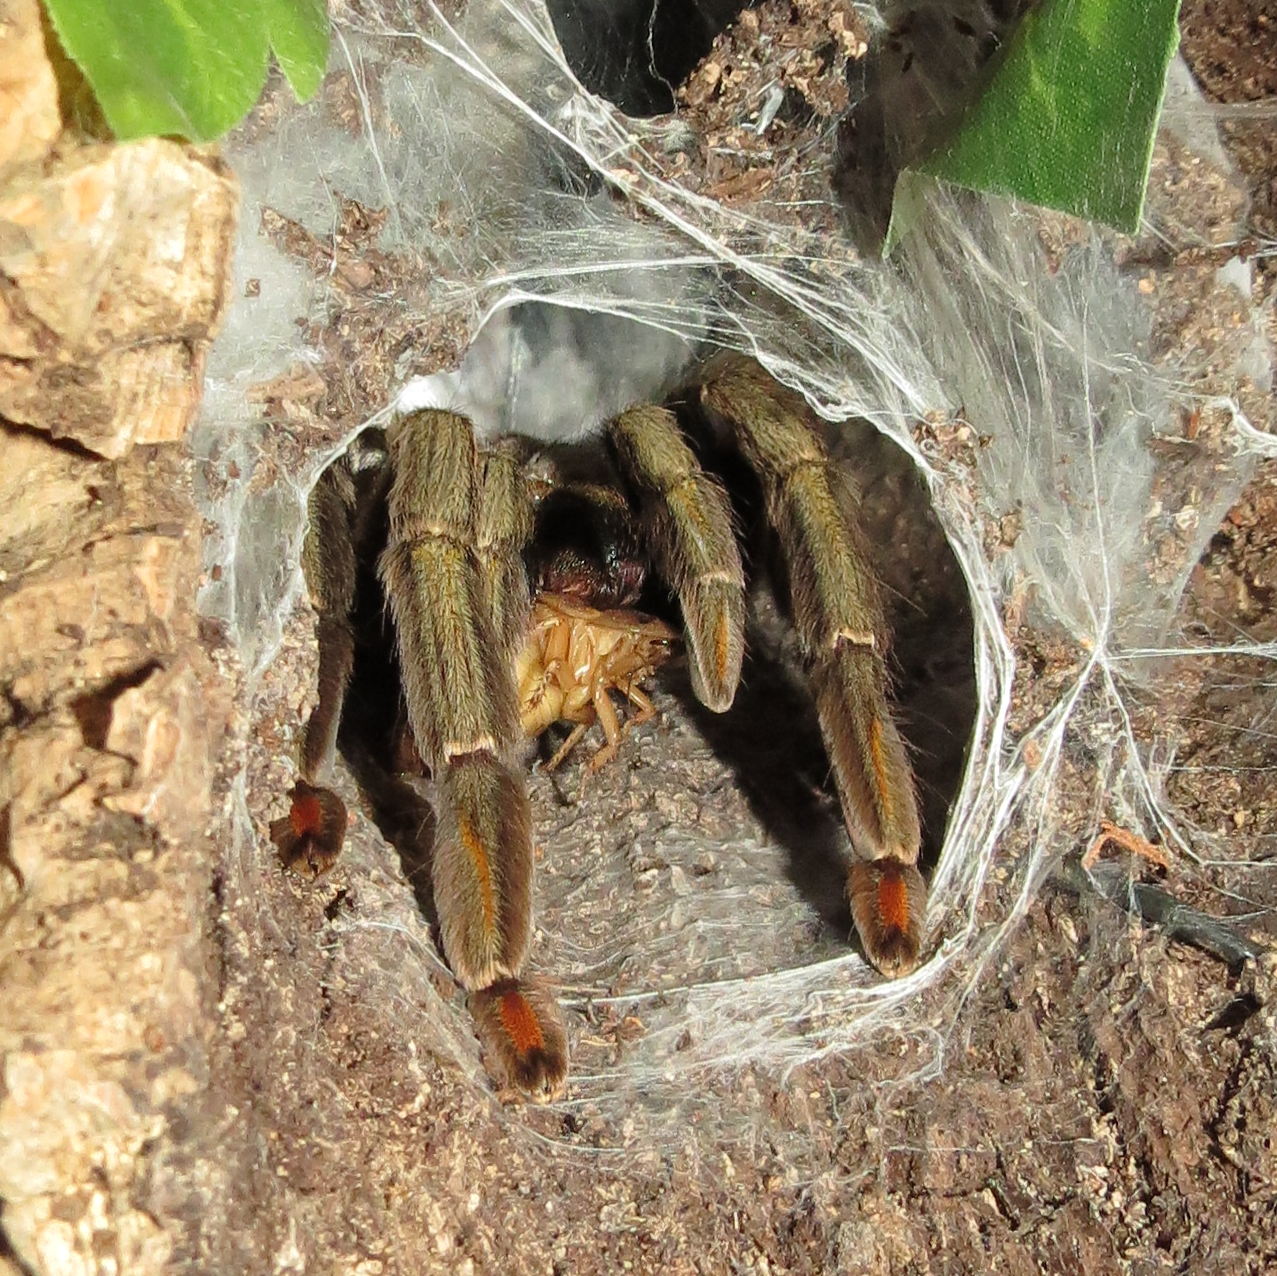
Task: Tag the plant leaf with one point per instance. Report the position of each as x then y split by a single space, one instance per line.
192 68
299 36
1069 118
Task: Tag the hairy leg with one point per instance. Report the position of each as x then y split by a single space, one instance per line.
503 524
688 520
329 566
839 621
310 836
455 528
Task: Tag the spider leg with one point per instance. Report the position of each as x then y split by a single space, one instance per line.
329 567
455 525
689 521
310 836
460 706
337 533
841 628
502 527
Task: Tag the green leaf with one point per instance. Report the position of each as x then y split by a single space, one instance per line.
1068 119
193 68
299 35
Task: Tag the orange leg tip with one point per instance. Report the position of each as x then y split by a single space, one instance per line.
519 1021
523 1039
306 815
887 903
309 837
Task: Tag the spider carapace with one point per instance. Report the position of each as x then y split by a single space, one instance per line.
512 602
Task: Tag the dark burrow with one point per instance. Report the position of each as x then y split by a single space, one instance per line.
771 738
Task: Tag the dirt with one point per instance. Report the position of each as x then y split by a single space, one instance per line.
1230 48
1105 1101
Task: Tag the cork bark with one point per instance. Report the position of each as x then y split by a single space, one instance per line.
113 275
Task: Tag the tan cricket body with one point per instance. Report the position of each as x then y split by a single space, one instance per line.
575 656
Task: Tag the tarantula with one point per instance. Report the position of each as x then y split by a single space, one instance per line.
505 622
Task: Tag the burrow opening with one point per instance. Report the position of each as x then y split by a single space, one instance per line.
768 747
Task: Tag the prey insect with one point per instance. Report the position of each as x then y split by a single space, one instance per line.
573 659
510 614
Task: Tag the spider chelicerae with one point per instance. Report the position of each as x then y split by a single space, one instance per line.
512 606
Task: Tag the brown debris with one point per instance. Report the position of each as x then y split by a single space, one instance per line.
1111 834
760 101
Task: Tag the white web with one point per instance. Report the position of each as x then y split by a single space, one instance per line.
504 182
